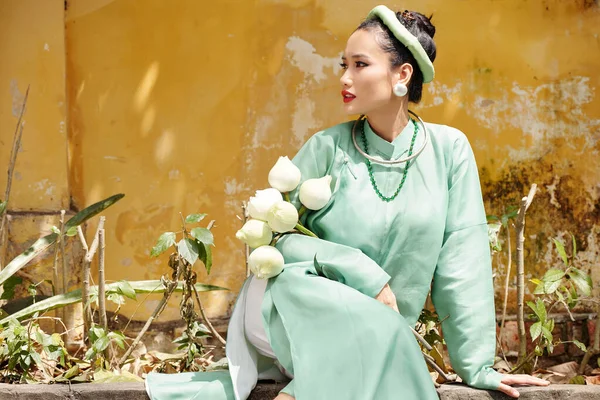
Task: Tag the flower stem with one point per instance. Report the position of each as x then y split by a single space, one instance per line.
307 232
286 196
301 211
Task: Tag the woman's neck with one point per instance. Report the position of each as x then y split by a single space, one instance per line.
388 125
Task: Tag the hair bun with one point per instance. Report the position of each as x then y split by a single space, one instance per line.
417 23
420 26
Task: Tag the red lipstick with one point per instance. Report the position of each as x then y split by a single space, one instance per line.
348 97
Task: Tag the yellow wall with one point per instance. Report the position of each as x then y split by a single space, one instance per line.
184 106
32 47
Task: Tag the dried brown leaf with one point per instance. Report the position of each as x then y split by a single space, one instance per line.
592 380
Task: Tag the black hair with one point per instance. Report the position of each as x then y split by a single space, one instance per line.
422 28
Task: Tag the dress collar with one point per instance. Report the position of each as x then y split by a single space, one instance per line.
394 150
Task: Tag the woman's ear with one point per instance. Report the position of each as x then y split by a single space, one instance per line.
404 73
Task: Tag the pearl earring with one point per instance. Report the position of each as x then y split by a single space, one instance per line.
400 89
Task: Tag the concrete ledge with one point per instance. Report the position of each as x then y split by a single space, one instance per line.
268 391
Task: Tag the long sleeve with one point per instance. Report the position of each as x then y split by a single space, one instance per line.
352 267
462 290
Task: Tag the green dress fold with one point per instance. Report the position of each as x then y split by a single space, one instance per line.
329 332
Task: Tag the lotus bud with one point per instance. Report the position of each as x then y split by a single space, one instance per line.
263 200
282 217
284 176
265 262
315 193
255 233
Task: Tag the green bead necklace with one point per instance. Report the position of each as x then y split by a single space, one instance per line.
370 167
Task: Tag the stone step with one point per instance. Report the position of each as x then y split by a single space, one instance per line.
268 391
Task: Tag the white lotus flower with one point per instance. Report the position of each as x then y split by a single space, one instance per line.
284 176
255 233
282 216
265 262
263 200
315 193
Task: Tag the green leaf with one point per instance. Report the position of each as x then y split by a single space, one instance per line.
118 338
561 250
205 255
38 360
577 380
318 267
574 246
327 272
580 345
55 229
535 330
22 259
493 233
547 334
188 250
193 218
125 288
92 210
581 280
553 274
101 344
9 287
570 301
550 346
165 241
96 332
2 207
72 231
62 300
511 213
89 354
550 287
203 235
539 308
539 289
116 298
32 290
538 350
71 372
549 325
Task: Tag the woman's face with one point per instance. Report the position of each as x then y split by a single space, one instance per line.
368 81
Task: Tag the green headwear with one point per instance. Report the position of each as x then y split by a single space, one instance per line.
388 17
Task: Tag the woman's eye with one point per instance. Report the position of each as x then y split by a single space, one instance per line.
360 64
343 65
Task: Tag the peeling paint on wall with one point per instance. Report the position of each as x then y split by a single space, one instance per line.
304 57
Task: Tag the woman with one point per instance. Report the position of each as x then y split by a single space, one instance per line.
406 216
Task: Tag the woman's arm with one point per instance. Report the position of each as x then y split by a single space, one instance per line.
462 290
349 265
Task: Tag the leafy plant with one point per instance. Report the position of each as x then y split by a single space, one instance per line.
101 339
567 286
194 244
63 300
45 242
24 348
190 342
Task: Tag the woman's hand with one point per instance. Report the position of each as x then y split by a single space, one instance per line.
387 297
508 380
